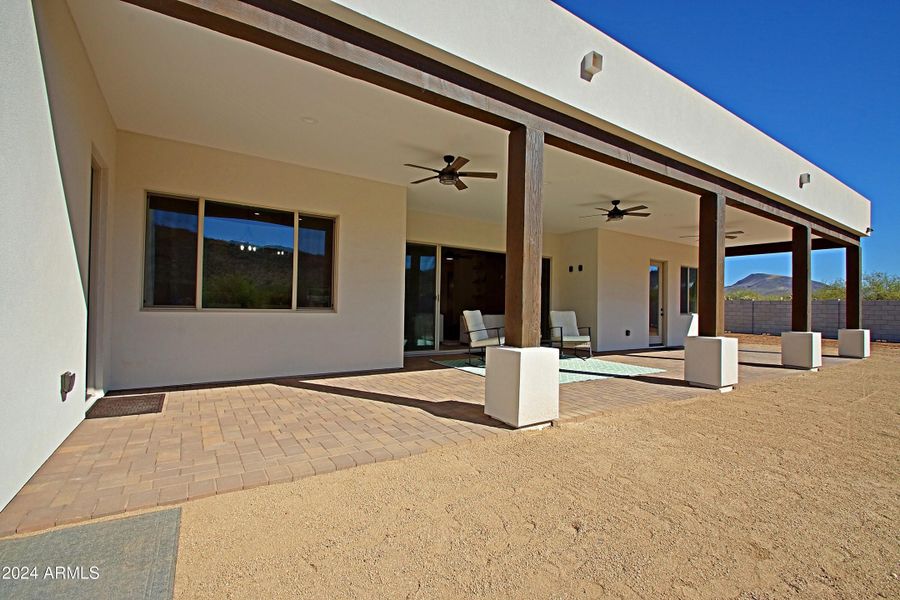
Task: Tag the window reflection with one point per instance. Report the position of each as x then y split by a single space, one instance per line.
247 257
315 256
170 260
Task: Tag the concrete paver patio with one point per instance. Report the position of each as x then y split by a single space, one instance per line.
214 440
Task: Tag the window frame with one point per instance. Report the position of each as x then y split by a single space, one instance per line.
681 307
198 284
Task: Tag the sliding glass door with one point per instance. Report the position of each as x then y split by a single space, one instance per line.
419 308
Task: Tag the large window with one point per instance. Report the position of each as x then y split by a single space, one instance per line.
170 259
252 258
688 290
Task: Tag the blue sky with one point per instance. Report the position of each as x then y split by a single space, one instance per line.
820 76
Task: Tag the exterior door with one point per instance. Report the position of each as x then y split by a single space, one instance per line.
419 307
657 316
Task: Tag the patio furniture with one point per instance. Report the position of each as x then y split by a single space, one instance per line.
480 337
565 332
490 322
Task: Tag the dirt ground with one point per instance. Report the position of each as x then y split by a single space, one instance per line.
786 489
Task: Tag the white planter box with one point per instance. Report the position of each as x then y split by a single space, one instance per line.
711 362
522 385
854 343
801 349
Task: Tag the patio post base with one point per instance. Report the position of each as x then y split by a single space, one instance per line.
854 343
801 350
711 362
522 385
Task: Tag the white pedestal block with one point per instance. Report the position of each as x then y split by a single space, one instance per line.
711 362
854 343
801 349
522 385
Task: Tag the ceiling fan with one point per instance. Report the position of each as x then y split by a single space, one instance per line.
617 214
729 235
450 174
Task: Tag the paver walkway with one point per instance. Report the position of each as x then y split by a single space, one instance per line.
221 439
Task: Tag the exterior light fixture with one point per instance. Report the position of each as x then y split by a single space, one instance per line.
591 64
804 179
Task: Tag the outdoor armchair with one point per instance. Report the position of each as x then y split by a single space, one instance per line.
480 337
565 332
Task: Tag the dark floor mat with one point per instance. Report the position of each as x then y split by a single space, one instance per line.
126 558
121 406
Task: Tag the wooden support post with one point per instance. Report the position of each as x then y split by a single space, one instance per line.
711 274
801 279
853 258
524 237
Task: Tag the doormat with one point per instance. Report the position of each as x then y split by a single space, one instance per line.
123 406
125 558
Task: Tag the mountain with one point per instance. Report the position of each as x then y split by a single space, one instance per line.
766 284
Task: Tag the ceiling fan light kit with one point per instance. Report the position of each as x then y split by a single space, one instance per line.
451 174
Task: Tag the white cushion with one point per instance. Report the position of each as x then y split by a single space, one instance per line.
491 341
565 319
474 322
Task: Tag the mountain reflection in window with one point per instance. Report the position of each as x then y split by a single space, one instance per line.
170 260
248 256
315 256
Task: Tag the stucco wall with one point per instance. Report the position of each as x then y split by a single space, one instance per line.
623 264
535 47
165 347
44 225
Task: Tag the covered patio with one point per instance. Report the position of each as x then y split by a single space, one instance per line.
218 439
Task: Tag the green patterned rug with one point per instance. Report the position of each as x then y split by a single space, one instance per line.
571 370
477 368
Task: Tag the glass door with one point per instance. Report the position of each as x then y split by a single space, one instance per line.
657 311
419 308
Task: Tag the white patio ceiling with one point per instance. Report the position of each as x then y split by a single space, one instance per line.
173 80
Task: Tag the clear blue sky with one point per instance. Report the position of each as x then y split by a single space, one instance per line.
820 76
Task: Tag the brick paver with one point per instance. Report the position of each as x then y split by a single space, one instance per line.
216 440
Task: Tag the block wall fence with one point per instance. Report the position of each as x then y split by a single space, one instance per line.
882 317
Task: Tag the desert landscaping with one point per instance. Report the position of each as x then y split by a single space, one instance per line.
785 488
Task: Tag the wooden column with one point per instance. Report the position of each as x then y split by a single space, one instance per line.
801 279
524 237
711 272
853 257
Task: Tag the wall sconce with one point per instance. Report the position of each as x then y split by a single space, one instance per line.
804 179
591 64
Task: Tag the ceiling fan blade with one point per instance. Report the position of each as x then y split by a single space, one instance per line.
628 214
633 208
689 236
606 210
460 185
481 174
734 232
421 167
730 237
458 164
590 216
421 180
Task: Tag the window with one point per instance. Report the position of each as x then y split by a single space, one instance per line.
315 256
688 290
170 259
248 256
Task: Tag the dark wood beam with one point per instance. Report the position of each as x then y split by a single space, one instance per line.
853 258
296 30
524 237
778 247
801 279
711 271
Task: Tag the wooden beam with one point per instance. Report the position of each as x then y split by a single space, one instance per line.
801 279
524 237
853 258
778 247
289 27
711 271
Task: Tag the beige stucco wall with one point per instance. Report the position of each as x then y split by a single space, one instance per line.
535 47
165 347
52 116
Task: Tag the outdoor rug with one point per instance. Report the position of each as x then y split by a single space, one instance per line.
604 367
477 368
121 406
126 558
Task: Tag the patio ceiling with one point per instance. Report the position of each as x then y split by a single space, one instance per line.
170 79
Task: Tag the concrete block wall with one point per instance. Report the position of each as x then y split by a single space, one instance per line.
772 317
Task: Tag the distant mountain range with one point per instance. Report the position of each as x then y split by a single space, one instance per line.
766 284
